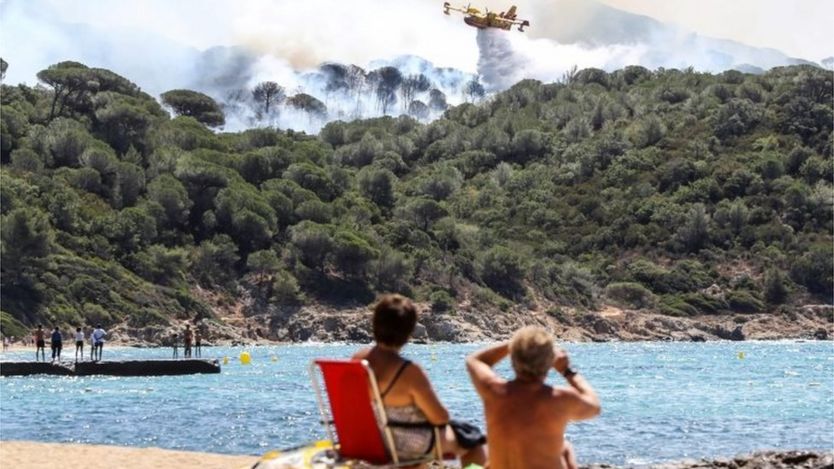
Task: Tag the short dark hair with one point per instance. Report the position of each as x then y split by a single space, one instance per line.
394 319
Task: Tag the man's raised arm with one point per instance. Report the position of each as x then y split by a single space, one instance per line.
480 363
584 401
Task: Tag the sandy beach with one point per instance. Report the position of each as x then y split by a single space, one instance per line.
29 454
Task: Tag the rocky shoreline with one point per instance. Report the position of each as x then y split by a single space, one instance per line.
323 324
758 460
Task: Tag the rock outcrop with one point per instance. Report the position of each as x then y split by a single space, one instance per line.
759 460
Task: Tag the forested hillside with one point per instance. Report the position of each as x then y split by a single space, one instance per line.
669 191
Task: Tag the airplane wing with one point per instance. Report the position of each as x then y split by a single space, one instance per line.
447 7
521 24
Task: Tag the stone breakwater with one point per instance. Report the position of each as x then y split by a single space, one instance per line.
111 368
758 460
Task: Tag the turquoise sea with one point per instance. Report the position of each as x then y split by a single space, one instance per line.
661 401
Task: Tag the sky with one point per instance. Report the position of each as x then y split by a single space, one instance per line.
800 28
33 33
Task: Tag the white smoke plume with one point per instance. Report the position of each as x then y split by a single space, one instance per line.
226 48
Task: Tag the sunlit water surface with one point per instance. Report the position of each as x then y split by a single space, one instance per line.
661 401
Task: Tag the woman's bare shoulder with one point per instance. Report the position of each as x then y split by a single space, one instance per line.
362 354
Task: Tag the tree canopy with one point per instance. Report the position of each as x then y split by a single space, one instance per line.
670 190
195 104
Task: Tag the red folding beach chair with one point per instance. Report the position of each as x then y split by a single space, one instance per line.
356 421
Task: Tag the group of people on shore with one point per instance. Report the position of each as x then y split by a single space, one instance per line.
525 417
56 343
191 341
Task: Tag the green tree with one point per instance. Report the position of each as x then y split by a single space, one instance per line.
69 81
263 262
26 243
694 233
162 265
377 185
775 290
213 262
423 211
351 253
502 270
309 104
314 243
814 270
24 159
196 105
268 93
170 194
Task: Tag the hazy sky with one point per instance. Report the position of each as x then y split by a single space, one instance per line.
800 28
130 35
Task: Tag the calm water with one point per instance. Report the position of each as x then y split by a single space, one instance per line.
660 400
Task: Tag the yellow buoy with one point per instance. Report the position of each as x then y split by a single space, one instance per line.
274 358
741 355
245 358
225 360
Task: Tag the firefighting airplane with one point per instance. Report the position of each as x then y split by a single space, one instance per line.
488 19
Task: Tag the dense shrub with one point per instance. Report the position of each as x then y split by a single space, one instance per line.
658 185
629 294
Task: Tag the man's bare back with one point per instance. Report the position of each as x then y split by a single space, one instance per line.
525 417
525 424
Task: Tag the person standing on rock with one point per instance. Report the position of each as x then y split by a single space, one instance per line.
92 344
40 343
174 344
188 337
198 342
98 341
79 343
526 418
56 343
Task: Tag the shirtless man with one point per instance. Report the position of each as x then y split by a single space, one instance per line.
188 336
198 342
525 417
40 343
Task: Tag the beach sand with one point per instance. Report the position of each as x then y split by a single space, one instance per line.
29 454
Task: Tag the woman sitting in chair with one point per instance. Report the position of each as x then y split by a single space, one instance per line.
407 395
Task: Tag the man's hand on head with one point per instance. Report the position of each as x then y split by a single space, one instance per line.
561 362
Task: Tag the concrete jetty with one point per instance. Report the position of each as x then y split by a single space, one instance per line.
111 368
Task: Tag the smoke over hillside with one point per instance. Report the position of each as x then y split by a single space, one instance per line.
268 91
343 60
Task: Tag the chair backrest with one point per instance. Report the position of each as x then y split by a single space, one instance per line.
347 383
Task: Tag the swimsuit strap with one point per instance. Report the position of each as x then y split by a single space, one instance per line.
396 377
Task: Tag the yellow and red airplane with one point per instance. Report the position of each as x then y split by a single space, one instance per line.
488 19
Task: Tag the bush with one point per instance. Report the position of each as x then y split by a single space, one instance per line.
775 290
814 271
692 304
441 301
744 301
11 327
285 290
502 270
95 314
629 294
147 317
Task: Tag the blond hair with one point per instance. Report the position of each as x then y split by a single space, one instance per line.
531 351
